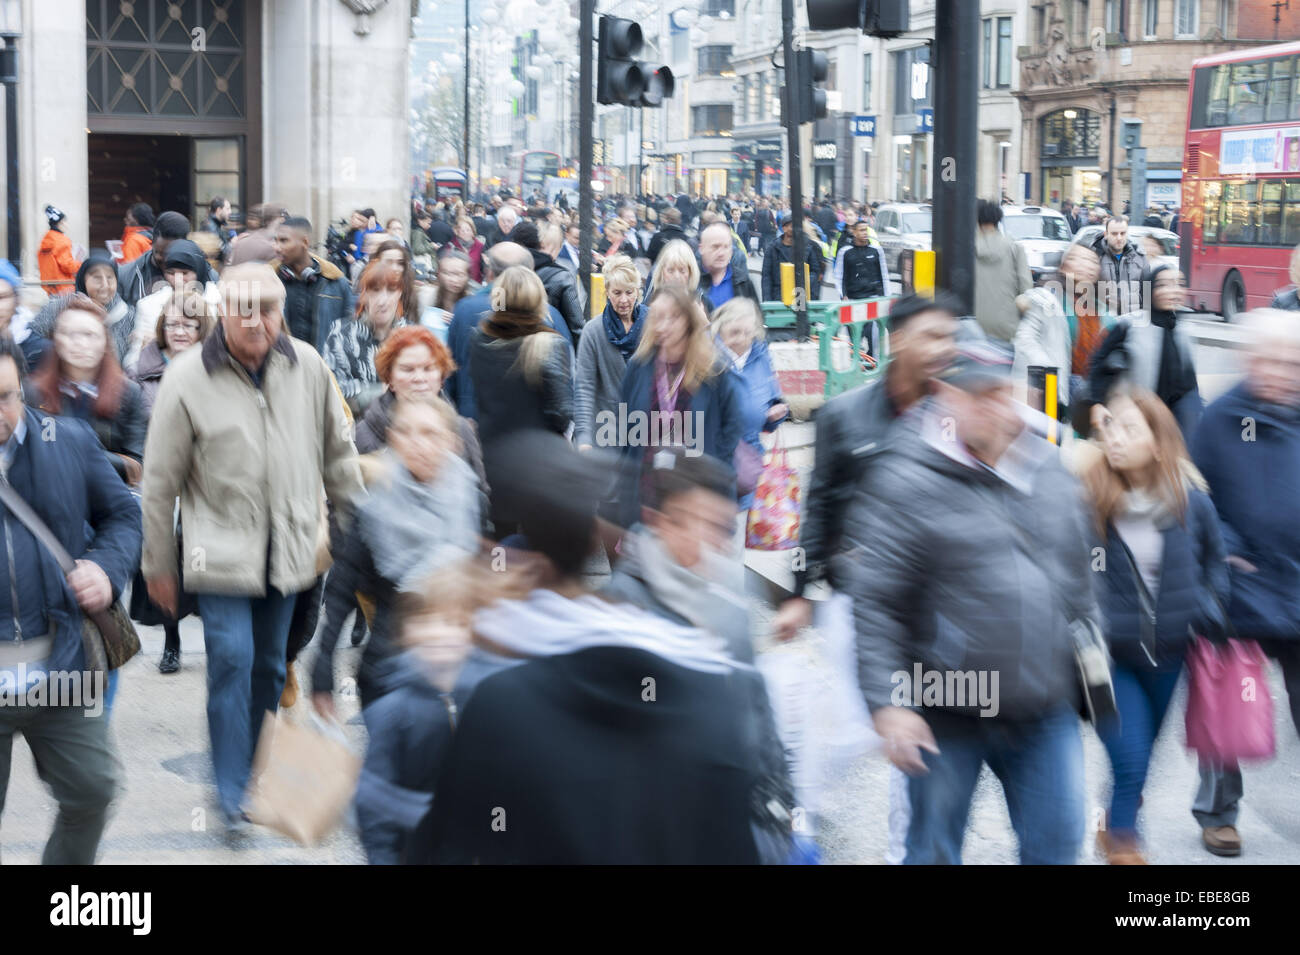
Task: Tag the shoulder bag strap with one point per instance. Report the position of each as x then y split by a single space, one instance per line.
29 518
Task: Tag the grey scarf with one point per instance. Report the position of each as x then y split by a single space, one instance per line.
698 594
413 529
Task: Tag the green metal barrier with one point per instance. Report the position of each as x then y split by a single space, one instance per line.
825 322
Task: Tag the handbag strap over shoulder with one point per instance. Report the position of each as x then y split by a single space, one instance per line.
31 520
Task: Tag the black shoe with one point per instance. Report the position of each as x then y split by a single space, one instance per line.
359 630
170 662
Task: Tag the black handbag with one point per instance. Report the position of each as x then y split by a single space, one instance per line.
108 635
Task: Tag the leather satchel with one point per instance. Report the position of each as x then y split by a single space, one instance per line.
108 636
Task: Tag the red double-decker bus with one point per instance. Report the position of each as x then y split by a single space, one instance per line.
1240 214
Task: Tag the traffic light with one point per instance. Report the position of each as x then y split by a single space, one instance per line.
886 18
620 79
659 85
813 68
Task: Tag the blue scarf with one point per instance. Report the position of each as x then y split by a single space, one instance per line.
624 341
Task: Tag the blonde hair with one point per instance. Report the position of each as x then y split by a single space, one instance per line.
735 310
519 290
701 353
519 297
676 252
618 225
619 271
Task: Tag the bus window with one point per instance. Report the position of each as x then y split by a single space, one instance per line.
1246 95
1218 106
1279 90
1270 213
1291 231
1210 213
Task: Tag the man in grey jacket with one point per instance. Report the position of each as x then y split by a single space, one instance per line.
1001 275
1122 265
967 565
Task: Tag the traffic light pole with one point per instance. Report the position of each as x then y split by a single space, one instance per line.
792 118
586 108
956 132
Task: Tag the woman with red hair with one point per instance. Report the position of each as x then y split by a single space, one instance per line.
80 378
353 344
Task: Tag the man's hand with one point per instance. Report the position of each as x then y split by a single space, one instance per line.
777 410
1242 563
91 586
794 615
162 591
324 705
905 733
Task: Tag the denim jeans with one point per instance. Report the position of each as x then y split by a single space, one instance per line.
245 639
1142 697
1040 765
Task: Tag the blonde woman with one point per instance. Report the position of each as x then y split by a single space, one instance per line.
606 346
520 368
676 265
682 388
612 243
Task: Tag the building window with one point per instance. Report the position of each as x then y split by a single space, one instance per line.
866 82
714 61
1040 24
1222 17
1080 14
1117 18
742 107
681 45
1186 17
714 120
757 111
1150 18
713 8
997 53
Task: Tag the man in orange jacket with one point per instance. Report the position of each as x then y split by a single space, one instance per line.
137 237
55 256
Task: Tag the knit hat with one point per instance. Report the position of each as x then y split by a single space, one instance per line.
54 215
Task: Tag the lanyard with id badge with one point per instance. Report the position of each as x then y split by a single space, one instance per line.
665 458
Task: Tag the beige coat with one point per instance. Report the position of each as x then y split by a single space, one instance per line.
248 465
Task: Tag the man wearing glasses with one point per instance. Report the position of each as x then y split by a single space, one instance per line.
58 470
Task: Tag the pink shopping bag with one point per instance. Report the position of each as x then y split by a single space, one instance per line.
774 515
1229 709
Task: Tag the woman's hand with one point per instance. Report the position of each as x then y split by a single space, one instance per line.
777 411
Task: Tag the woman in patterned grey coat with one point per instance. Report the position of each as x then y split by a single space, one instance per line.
351 347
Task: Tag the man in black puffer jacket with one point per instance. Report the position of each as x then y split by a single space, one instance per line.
561 284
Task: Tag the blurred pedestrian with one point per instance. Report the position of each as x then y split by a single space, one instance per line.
561 285
606 346
353 342
1164 561
318 296
1288 299
54 257
860 270
144 275
724 269
1001 275
137 232
670 229
783 251
96 279
217 223
1123 264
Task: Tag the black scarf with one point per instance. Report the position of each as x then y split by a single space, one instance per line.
1177 376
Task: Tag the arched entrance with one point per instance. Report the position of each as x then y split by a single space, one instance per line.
1069 153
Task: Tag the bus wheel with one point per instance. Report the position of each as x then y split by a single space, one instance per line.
1234 297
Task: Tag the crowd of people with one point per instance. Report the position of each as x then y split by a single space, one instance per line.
427 440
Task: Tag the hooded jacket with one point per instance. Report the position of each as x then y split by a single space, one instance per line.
1255 486
610 777
561 291
121 317
955 567
1001 274
140 277
1124 272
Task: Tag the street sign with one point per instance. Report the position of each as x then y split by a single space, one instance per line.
920 79
825 151
925 120
864 126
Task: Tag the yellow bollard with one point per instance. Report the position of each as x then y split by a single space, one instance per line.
787 282
597 294
923 272
1049 404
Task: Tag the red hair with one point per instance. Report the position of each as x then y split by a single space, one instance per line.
405 337
379 276
110 381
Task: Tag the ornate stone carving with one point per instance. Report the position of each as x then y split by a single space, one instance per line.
363 9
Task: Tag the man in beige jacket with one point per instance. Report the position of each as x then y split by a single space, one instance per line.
245 430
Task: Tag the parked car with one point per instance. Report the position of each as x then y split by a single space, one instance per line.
1168 241
902 225
1043 233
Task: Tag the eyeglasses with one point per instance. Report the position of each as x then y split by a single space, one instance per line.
180 326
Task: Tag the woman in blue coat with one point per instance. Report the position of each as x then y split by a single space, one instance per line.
1163 580
678 392
738 325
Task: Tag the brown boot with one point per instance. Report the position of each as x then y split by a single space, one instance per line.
289 695
1118 850
1222 840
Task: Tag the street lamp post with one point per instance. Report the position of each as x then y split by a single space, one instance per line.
465 153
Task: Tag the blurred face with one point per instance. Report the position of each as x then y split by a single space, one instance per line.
381 306
420 439
739 335
80 340
574 235
787 233
861 235
11 398
672 328
442 642
372 242
1127 439
8 303
224 212
1168 293
924 346
507 219
715 249
395 228
101 284
628 216
988 421
180 331
1116 235
395 258
358 221
1080 265
178 277
675 273
693 525
292 246
415 374
615 235
465 232
1273 373
250 336
453 275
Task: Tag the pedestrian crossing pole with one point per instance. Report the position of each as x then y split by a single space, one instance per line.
956 134
586 109
790 99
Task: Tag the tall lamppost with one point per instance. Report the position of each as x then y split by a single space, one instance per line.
10 30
